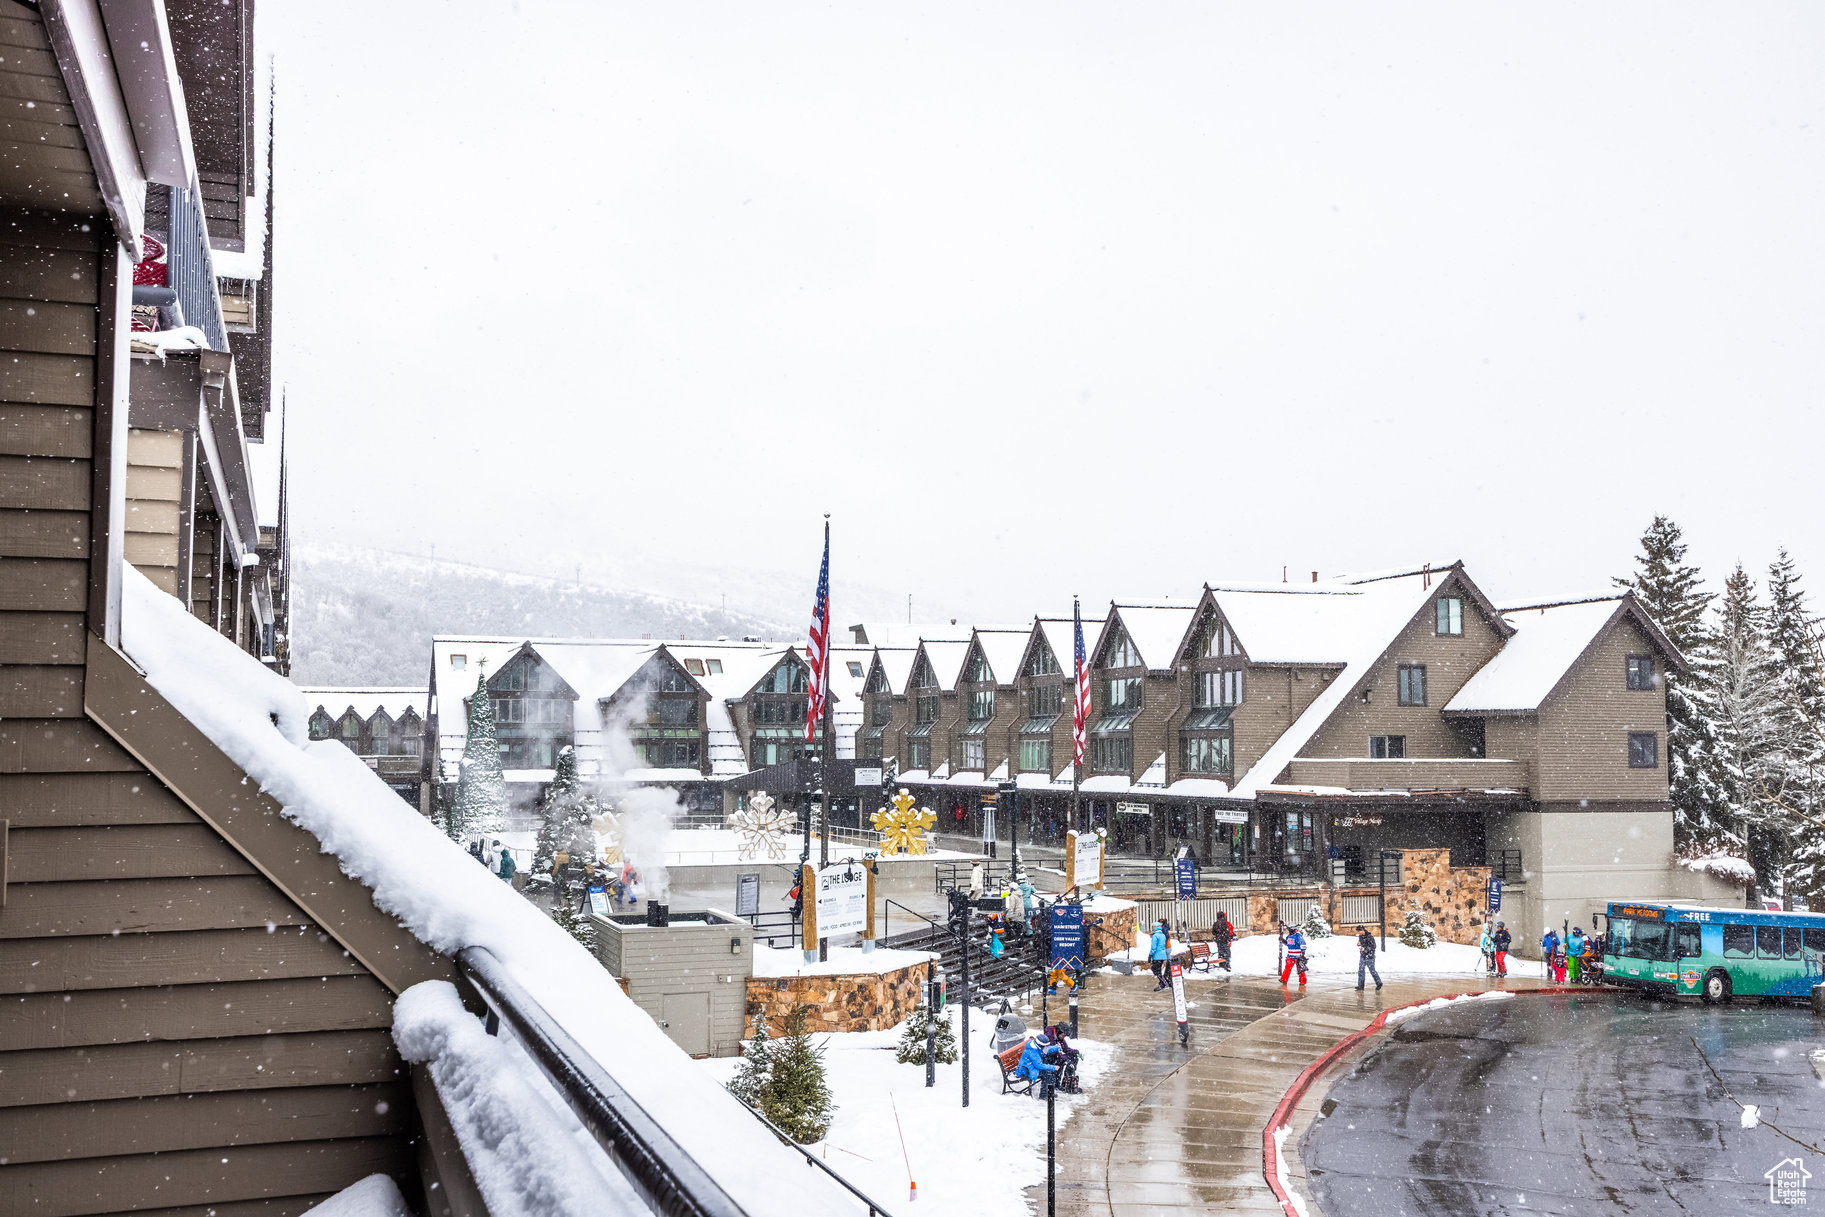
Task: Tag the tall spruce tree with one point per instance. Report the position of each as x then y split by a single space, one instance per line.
1793 792
1749 726
1704 816
566 816
796 1097
481 790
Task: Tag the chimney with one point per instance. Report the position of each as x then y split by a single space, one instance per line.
658 915
1314 576
1425 575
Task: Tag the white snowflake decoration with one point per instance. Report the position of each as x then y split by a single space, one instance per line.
763 828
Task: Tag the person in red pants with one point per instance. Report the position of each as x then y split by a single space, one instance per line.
1295 953
1503 940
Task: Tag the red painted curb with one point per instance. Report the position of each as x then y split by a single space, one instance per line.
1270 1155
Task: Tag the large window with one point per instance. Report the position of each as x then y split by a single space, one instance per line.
1043 663
321 725
672 711
1222 688
982 705
351 726
882 709
1122 694
919 754
1644 750
1112 753
1640 673
1045 699
1387 747
1036 755
776 710
925 709
1450 615
1413 684
1206 754
978 669
1220 642
970 753
671 753
1121 652
787 678
1739 941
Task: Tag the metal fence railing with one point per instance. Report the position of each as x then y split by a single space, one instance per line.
1295 909
1196 916
191 271
1505 864
1359 910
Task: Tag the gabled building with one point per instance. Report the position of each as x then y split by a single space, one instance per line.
385 727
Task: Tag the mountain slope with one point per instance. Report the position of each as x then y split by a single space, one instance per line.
366 616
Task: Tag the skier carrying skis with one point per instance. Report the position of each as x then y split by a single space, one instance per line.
1295 953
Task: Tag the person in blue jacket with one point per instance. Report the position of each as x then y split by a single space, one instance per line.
1032 1065
1159 951
1549 951
1295 954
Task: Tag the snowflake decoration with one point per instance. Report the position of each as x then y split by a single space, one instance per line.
903 827
763 828
608 835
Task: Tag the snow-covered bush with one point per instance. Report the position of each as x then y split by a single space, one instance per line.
1727 867
1314 925
1416 933
911 1049
750 1080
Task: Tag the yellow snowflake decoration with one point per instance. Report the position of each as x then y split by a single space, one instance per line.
903 827
607 827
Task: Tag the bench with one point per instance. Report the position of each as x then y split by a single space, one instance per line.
1201 958
1009 1060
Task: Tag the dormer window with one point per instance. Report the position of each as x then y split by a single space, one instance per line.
715 666
1450 615
1121 652
459 663
694 666
1043 663
351 726
979 670
1220 642
922 677
321 725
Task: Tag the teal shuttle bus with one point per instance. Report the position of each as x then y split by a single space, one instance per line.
1713 953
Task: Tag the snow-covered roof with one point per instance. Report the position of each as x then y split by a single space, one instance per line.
431 887
1003 649
1057 633
365 701
1362 623
1291 623
1547 640
896 666
1156 629
946 659
908 634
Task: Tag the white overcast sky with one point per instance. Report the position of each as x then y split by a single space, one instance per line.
1048 298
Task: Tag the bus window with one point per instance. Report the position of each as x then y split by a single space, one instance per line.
1688 941
1652 940
1814 941
1790 942
1739 942
1768 941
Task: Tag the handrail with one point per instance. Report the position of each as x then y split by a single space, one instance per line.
812 1158
667 1178
889 904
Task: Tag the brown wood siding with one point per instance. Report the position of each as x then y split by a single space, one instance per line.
1267 710
178 1032
155 493
1449 660
1584 725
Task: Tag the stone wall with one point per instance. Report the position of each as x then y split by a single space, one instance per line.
848 1002
1451 897
1116 933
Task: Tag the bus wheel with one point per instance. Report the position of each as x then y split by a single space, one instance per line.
1717 987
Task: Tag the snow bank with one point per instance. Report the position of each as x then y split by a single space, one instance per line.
1439 1003
1725 866
772 962
525 1156
440 895
375 1196
1280 1176
974 1160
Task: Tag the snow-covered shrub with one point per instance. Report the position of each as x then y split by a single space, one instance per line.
1727 867
750 1080
1416 933
911 1049
1314 925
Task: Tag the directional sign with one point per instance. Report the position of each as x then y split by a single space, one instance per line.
1067 923
1185 871
1495 893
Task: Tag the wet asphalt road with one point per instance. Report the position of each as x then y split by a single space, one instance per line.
1597 1104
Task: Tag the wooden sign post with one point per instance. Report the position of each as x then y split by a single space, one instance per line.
807 881
873 867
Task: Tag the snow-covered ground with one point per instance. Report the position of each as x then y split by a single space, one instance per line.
979 1159
843 961
1258 955
720 846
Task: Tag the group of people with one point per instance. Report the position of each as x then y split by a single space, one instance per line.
1571 959
495 856
1049 1059
1494 946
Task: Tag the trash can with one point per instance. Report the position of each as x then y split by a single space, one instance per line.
1010 1029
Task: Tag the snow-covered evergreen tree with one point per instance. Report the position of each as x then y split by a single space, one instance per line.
1414 931
573 920
1749 727
481 791
566 816
797 1097
1791 789
751 1076
1314 925
911 1049
1704 815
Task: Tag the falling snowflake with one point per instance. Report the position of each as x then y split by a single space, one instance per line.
903 826
763 828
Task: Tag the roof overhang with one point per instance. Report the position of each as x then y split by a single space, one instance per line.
79 39
146 70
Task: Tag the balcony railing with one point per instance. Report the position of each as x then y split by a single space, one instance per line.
1416 773
671 1182
191 271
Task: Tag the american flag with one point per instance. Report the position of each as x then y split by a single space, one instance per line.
1080 710
817 650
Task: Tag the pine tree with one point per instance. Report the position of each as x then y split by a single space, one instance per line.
1704 816
797 1097
756 1068
1789 792
1749 726
1314 925
567 815
911 1049
481 791
1414 932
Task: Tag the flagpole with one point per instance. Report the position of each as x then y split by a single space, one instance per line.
1077 764
829 753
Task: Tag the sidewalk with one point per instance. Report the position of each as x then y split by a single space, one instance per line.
1172 1130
